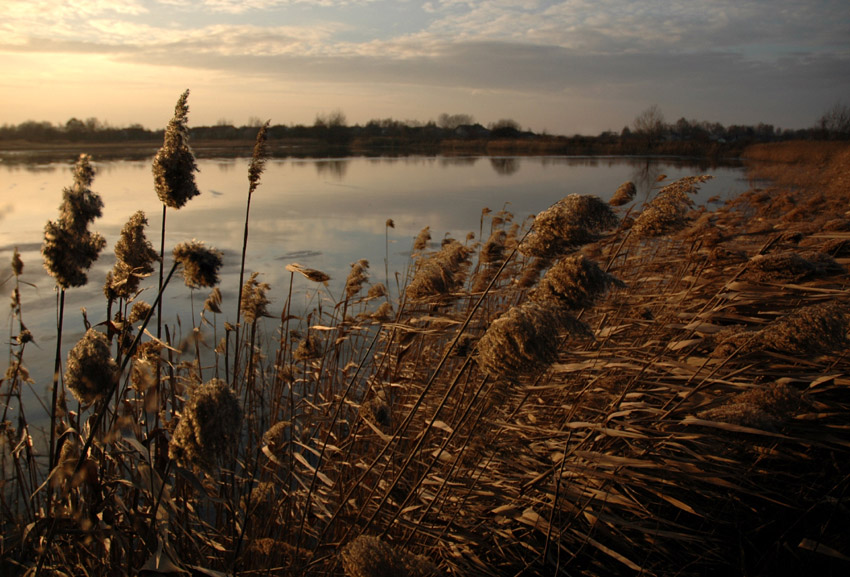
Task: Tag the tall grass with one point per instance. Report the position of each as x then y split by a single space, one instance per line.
518 408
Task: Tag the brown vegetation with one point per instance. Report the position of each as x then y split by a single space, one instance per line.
651 406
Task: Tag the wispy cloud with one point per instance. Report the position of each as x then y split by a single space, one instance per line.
616 48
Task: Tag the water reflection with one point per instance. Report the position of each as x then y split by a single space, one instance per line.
335 168
303 212
505 166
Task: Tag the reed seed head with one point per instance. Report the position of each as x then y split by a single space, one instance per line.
493 251
91 371
384 312
377 290
134 258
624 194
309 348
213 301
69 248
276 437
422 239
368 556
569 223
209 426
174 165
667 212
791 266
357 277
521 341
763 407
258 158
139 311
812 330
200 264
441 274
575 282
17 263
254 300
68 254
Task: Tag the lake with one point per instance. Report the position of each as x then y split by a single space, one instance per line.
322 213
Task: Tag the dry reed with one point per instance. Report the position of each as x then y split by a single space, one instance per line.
568 224
624 194
90 371
209 426
200 263
667 212
441 274
575 282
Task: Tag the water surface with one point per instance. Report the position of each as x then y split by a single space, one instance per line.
323 214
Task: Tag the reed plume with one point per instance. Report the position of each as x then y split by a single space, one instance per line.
791 266
309 348
69 248
762 407
422 239
356 278
368 556
200 264
624 194
209 426
667 212
524 340
139 311
254 300
174 165
569 223
812 330
575 282
17 263
134 259
441 274
91 371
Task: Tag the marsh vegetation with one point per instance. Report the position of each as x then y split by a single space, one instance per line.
605 388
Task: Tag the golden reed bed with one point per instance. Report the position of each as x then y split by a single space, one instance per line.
606 389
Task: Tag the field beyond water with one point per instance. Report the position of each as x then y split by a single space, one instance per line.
658 390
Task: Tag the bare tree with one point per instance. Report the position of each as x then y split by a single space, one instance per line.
835 122
452 121
650 124
334 119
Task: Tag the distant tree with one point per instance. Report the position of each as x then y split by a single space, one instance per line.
650 125
452 121
505 128
75 129
835 122
332 127
334 119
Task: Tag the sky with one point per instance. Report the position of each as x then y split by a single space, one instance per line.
562 67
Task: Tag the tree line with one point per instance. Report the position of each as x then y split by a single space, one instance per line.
648 133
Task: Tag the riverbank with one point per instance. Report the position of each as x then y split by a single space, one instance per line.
17 151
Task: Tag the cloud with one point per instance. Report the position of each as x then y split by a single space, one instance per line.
713 53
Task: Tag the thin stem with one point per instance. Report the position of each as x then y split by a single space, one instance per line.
239 295
56 368
161 264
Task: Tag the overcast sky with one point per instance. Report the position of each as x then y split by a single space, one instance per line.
575 66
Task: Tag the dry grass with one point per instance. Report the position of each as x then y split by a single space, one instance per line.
513 426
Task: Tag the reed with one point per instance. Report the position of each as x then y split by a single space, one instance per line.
676 411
